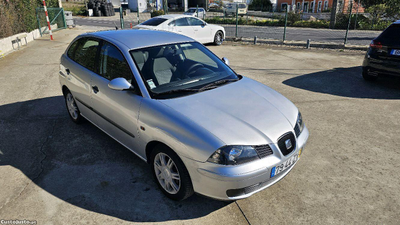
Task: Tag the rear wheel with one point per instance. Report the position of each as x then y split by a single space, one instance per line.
171 174
73 110
366 73
218 38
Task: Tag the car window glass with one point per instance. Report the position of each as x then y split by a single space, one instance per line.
153 21
85 53
172 23
71 50
201 10
113 63
391 33
177 66
196 54
181 22
195 22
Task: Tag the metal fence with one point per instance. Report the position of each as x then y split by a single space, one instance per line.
56 17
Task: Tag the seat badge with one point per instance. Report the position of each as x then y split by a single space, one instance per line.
288 144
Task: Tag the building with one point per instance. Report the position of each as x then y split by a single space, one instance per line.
317 6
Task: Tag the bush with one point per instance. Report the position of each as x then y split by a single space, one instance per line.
293 18
312 24
77 10
157 13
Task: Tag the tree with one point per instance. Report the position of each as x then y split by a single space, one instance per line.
265 4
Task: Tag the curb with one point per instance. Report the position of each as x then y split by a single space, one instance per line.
299 43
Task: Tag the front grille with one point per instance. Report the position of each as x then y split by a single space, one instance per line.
297 130
263 150
287 143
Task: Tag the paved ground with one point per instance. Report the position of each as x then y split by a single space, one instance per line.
56 172
355 37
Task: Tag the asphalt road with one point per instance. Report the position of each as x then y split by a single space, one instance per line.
56 172
276 33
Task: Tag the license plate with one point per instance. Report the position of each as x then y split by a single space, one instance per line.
395 52
282 167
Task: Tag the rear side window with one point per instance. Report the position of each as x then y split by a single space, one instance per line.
392 33
113 63
71 50
85 52
181 22
154 21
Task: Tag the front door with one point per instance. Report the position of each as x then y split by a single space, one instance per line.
201 31
182 26
117 111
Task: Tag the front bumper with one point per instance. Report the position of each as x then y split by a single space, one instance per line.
241 181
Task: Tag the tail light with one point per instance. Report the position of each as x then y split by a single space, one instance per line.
375 44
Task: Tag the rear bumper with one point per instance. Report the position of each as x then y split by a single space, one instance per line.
237 182
375 64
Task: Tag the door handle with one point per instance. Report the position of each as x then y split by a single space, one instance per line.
68 71
95 89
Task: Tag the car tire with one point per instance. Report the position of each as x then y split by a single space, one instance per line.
366 75
218 38
168 173
73 110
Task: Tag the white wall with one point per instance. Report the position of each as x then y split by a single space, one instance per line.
133 5
6 45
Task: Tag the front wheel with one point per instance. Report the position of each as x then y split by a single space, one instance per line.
171 174
218 38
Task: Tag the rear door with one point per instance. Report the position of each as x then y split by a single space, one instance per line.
117 111
78 67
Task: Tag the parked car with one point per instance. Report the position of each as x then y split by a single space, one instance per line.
214 6
230 9
383 56
177 106
187 25
198 12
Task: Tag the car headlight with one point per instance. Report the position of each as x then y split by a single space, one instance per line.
300 122
233 155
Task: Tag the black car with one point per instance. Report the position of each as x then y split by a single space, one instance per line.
383 56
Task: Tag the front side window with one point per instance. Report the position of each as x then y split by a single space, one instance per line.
176 67
85 53
181 22
113 64
195 22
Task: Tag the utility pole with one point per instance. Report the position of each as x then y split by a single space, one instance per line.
333 14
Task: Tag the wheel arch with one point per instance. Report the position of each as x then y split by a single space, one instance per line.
151 146
65 90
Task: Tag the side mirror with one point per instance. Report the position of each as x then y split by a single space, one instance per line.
119 84
226 61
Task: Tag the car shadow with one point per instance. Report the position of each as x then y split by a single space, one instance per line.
81 165
347 82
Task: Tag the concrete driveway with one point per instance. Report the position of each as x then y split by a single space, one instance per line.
55 172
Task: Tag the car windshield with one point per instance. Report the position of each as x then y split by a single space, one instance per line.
181 67
191 11
153 21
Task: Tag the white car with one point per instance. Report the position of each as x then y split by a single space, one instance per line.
187 25
198 12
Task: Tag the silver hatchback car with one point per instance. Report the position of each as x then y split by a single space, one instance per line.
171 101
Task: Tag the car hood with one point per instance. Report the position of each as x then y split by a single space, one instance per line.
245 112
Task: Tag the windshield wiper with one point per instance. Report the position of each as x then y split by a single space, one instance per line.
216 83
177 91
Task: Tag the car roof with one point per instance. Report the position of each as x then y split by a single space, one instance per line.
137 38
397 22
172 16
